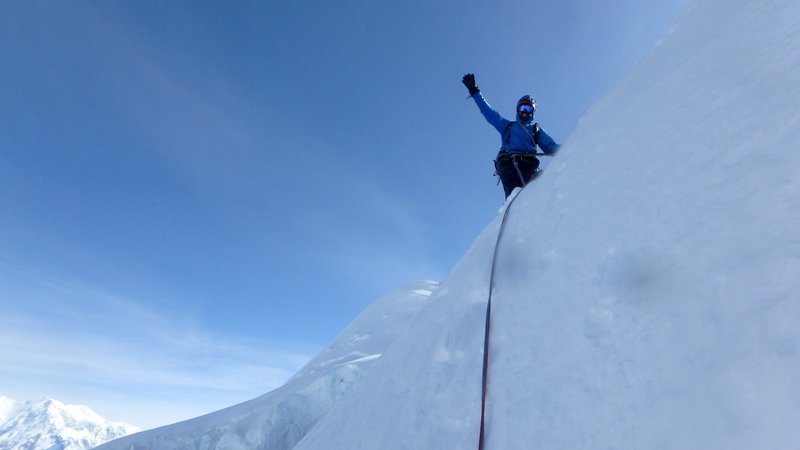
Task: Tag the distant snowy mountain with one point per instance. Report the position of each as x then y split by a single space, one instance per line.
7 405
647 286
48 424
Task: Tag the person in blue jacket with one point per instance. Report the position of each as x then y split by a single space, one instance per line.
516 163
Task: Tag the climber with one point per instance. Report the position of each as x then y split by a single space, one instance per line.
516 163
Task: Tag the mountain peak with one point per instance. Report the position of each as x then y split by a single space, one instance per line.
7 406
50 424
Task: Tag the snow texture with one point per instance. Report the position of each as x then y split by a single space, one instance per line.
647 289
7 406
48 424
279 419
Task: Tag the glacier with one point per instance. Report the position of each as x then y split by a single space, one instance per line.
647 285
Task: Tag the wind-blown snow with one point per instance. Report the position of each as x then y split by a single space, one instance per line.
647 290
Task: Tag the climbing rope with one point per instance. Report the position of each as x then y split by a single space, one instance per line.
485 378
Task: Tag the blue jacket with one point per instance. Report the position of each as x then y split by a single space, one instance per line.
514 138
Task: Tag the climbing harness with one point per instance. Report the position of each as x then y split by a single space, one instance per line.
515 159
505 152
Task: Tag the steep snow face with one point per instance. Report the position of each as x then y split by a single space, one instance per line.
279 419
648 284
51 425
660 257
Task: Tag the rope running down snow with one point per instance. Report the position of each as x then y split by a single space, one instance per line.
485 377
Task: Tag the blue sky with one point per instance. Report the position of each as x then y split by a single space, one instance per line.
197 197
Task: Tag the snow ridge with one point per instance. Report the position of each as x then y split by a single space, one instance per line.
280 419
48 424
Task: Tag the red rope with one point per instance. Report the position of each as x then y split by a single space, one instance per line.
485 377
485 370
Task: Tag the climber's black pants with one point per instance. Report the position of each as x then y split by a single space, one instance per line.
510 176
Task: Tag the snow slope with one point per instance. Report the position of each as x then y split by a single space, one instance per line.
647 289
649 283
282 417
48 424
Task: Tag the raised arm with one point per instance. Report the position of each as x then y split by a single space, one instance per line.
493 117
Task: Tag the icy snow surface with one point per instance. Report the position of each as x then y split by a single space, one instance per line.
648 289
279 419
48 424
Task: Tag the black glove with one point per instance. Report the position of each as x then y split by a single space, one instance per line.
469 82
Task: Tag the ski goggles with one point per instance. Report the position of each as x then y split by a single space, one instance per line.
525 109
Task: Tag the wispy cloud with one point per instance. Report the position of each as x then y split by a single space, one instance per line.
365 229
63 338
